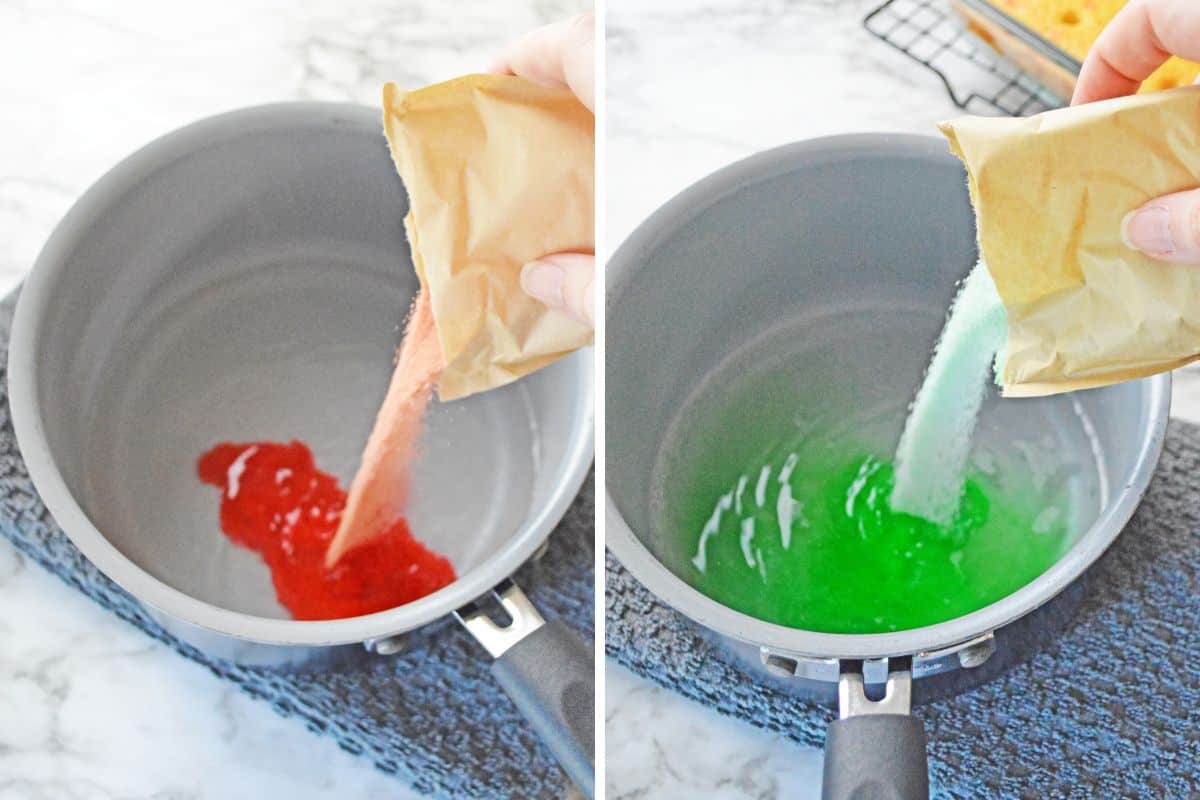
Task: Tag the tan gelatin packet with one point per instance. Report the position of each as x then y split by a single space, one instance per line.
1050 192
499 172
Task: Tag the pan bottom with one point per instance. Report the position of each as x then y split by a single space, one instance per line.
832 385
293 348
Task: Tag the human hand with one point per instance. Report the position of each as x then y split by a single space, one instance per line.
559 55
1140 38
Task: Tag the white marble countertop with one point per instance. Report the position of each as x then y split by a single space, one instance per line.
89 707
693 86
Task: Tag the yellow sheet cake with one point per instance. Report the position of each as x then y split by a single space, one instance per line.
1073 25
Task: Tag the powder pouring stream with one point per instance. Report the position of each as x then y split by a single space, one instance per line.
380 488
933 450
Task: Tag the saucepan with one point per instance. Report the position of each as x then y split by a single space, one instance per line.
825 269
243 279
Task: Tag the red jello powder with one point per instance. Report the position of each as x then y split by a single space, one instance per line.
276 502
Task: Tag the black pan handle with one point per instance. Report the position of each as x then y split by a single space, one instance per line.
876 757
549 672
876 750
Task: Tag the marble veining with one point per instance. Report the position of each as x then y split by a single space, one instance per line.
90 708
693 86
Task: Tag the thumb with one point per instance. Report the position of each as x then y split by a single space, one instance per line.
1166 228
563 281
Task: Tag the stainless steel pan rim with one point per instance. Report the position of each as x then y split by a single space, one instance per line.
674 591
37 299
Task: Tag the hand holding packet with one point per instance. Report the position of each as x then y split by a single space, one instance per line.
499 172
1050 193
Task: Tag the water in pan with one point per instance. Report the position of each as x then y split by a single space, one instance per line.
819 403
292 349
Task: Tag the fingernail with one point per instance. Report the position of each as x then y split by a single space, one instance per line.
544 281
1148 229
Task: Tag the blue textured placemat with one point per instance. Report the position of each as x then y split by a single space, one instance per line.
431 715
1110 707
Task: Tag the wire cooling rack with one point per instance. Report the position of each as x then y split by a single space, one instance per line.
977 78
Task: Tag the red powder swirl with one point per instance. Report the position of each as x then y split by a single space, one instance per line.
276 502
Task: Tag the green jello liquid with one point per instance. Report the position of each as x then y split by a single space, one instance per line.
808 540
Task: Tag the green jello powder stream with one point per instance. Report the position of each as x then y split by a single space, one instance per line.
932 456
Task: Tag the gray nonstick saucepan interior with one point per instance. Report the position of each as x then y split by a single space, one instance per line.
807 285
242 279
